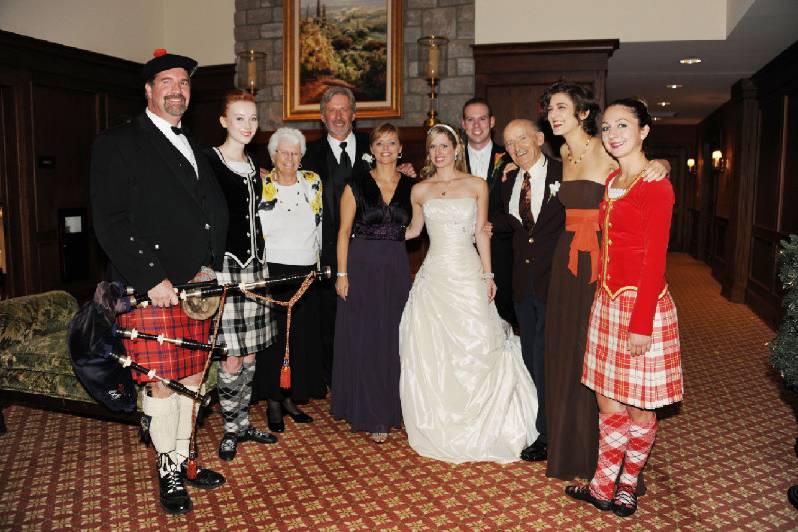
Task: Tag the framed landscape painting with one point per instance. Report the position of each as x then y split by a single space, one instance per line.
349 43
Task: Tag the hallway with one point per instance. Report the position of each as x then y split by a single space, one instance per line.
722 461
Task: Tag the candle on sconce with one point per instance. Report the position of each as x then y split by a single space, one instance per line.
433 65
252 73
249 66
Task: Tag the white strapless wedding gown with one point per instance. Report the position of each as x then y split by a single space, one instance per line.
466 394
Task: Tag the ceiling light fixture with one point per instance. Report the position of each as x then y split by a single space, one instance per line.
656 118
690 60
663 104
674 86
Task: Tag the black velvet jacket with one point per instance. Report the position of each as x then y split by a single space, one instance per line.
244 234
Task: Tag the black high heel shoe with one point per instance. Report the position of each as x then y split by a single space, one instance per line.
298 416
275 411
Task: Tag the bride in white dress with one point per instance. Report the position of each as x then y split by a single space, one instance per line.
466 394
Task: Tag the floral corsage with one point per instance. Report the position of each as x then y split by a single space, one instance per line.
553 189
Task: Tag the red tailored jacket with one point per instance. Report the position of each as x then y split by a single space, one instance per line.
635 230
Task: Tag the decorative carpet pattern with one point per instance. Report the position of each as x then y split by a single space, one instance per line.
723 461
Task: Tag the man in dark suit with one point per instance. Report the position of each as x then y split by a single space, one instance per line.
161 218
332 157
485 158
537 218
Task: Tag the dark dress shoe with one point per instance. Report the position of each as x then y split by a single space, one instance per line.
300 417
174 497
227 447
792 496
624 503
537 452
277 426
206 479
582 493
257 435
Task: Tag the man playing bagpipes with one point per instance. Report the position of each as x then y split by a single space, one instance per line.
162 219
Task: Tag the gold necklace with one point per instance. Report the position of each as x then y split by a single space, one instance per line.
446 186
579 159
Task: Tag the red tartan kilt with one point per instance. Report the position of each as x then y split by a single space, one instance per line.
167 360
648 381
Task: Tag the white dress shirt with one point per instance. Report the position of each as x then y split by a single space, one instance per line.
537 176
178 141
479 160
351 149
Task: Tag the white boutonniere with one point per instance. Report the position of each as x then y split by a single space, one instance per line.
369 158
553 189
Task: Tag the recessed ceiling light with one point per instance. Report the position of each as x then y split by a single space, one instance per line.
674 86
663 104
656 118
690 60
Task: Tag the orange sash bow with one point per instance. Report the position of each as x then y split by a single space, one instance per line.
583 223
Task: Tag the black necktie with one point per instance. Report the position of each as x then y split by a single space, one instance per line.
177 130
345 161
525 204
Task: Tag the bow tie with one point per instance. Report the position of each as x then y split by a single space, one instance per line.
177 130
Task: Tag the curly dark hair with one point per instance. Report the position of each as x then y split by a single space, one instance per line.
583 99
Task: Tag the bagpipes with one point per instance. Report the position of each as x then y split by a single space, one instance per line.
99 358
95 341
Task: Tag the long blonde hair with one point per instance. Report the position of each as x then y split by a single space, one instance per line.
459 151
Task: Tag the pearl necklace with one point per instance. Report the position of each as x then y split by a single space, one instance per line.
578 159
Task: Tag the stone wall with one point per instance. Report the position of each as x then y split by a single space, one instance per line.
259 26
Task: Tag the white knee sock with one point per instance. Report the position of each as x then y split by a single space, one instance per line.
185 408
163 412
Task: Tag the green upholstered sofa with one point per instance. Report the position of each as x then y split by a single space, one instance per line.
34 362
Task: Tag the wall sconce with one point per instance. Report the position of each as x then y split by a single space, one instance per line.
432 63
718 162
249 70
691 166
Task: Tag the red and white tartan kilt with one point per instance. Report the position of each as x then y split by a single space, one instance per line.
167 360
649 381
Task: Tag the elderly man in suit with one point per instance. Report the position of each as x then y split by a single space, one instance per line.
485 158
537 218
161 218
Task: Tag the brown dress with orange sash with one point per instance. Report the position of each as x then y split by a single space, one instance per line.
571 410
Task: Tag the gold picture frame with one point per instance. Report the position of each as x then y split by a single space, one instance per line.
353 43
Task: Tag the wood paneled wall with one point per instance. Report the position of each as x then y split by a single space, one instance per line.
775 208
743 212
676 143
512 77
54 100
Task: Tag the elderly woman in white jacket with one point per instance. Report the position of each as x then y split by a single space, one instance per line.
290 214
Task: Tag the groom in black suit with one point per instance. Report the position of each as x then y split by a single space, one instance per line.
537 217
485 158
333 157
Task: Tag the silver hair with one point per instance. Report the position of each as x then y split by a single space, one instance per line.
289 134
334 91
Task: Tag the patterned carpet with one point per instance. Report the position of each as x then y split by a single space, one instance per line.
723 461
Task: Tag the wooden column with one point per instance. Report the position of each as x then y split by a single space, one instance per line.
738 258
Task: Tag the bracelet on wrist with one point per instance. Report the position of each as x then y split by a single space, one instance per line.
488 275
341 274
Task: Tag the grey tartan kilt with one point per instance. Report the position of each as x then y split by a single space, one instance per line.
246 323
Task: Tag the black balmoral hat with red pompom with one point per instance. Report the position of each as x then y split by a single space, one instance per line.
161 60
